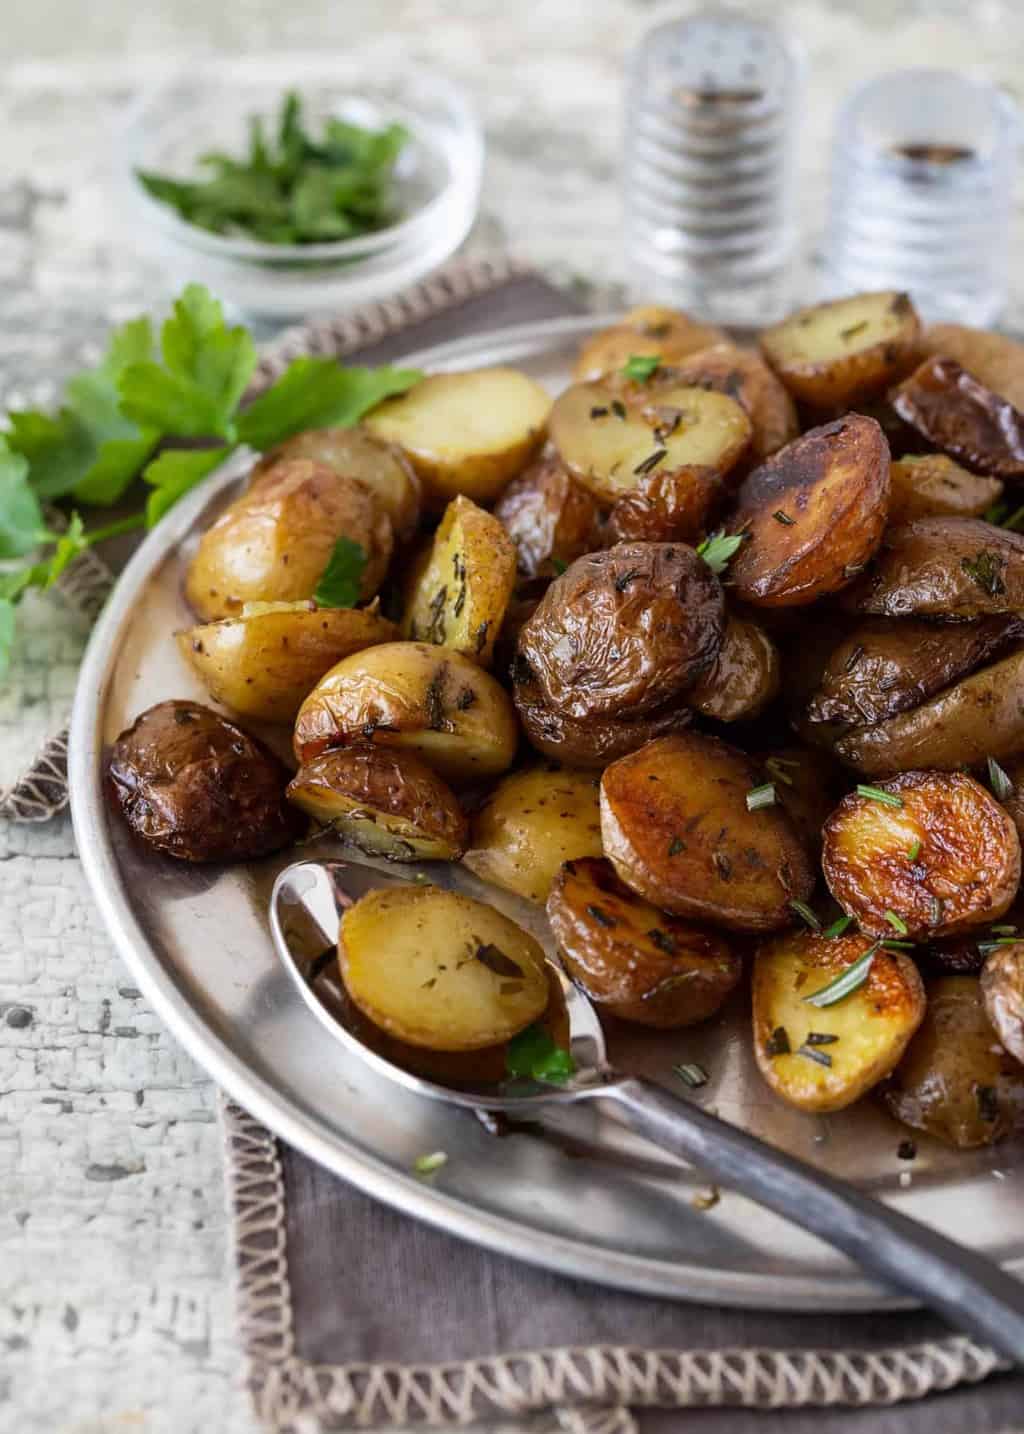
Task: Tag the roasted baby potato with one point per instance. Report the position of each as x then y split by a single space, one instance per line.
623 632
440 970
742 679
823 1058
676 826
612 433
1002 990
667 334
413 695
588 742
745 376
263 663
632 960
384 801
460 596
273 543
354 453
929 485
192 784
844 351
466 432
667 507
991 358
944 568
532 822
955 1081
551 520
952 410
815 514
927 854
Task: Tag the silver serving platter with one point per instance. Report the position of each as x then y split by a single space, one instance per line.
577 1195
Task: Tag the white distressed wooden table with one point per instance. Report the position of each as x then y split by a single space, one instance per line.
114 1286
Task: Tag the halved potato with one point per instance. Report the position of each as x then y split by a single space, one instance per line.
273 543
846 350
815 514
676 827
264 662
925 485
932 855
745 376
824 1057
613 433
427 699
590 742
632 960
944 568
440 970
668 334
466 432
993 359
743 678
532 822
384 801
1002 990
551 520
952 410
461 593
667 507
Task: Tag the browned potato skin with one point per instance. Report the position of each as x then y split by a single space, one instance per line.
969 857
953 1056
624 632
807 790
993 359
1014 803
667 507
980 717
833 486
668 334
549 517
193 785
273 543
927 485
959 415
590 743
745 376
921 572
1002 990
632 960
675 825
743 678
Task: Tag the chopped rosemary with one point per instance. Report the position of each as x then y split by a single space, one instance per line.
601 916
641 366
1002 787
776 769
985 948
427 1164
599 411
1004 930
810 1054
806 915
618 407
896 922
777 1043
759 797
913 851
875 794
820 1038
839 927
783 518
897 945
692 1074
651 461
847 334
846 982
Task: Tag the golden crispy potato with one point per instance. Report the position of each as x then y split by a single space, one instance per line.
933 855
440 970
550 518
926 485
413 695
955 1081
949 407
590 742
841 352
991 358
815 514
823 1058
742 679
667 507
944 568
807 785
676 827
466 432
264 662
745 376
354 453
612 433
623 632
462 591
632 960
668 334
384 801
532 822
193 785
273 543
1002 990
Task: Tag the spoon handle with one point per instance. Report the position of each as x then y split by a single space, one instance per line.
970 1291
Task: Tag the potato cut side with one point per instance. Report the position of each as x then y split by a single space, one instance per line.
1002 989
676 826
460 596
991 358
743 678
745 376
824 1057
814 513
949 407
265 662
466 432
668 334
632 960
440 970
384 801
532 822
930 855
551 520
839 352
927 485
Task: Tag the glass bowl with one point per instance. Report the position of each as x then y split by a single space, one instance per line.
437 180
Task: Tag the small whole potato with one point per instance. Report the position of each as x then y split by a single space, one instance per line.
926 854
674 506
960 416
744 677
668 334
993 359
745 376
1002 990
273 543
549 517
931 485
632 960
592 742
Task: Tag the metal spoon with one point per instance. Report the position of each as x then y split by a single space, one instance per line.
968 1290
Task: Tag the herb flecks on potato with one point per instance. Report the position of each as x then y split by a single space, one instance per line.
665 334
745 376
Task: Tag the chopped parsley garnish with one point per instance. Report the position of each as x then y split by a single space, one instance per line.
533 1055
719 549
641 366
985 569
